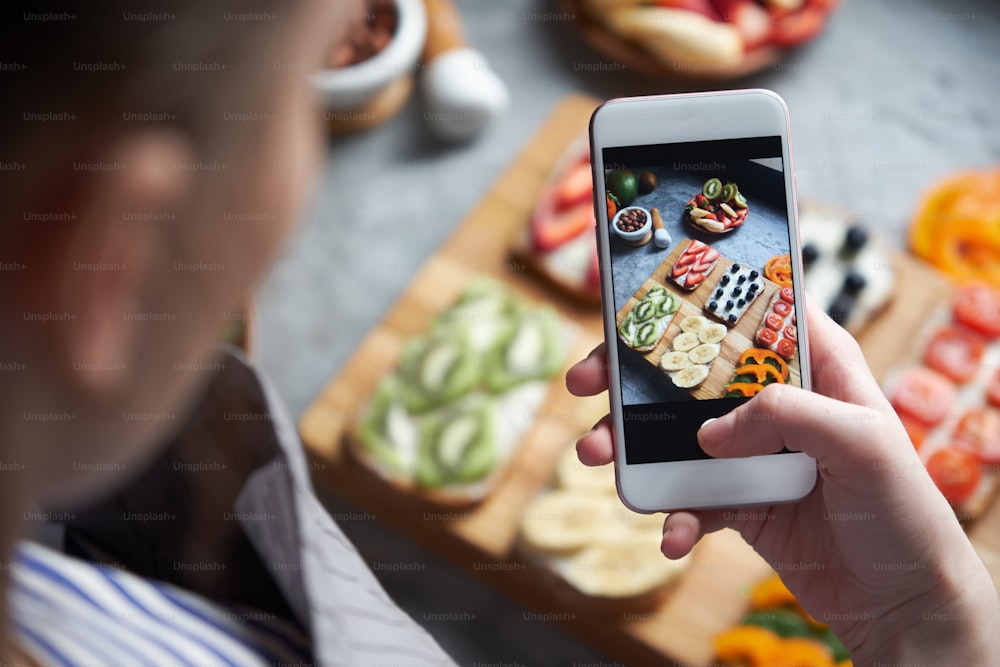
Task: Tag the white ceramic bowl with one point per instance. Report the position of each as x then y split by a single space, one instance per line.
636 236
353 87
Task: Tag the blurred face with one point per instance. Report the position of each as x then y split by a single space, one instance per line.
117 377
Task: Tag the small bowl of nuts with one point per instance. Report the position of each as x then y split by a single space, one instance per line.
380 47
633 224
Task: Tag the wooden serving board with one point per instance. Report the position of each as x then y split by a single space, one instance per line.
712 595
482 539
739 338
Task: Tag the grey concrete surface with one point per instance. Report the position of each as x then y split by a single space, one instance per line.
895 94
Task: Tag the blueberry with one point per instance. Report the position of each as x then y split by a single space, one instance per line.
754 274
809 254
734 268
725 280
731 319
729 305
737 291
856 238
740 303
718 293
712 305
752 289
854 283
841 308
742 279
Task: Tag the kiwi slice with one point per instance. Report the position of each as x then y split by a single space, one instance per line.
739 201
529 349
627 329
668 306
386 431
457 447
729 191
712 188
437 369
657 295
644 310
646 334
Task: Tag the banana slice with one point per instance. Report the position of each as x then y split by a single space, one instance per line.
573 475
563 521
690 377
685 342
694 324
705 353
648 525
675 361
621 569
712 333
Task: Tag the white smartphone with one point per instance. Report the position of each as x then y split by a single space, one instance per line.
701 288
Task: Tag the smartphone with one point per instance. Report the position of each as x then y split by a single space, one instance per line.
701 288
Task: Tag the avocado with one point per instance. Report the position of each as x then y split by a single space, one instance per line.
623 185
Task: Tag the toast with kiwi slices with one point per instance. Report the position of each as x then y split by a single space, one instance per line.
444 423
645 323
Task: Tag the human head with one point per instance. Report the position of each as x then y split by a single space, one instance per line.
156 158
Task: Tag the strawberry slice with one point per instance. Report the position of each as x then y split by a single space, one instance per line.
710 255
575 187
703 7
693 278
552 231
798 27
593 279
702 268
687 259
695 246
678 270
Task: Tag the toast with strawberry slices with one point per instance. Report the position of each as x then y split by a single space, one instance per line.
694 264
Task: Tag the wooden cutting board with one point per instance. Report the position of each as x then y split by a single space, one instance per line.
737 341
712 595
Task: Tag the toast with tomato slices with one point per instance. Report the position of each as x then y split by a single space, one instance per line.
778 330
949 403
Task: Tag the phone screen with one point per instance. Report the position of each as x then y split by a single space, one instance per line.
705 313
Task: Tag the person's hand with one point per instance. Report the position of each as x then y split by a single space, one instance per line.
874 550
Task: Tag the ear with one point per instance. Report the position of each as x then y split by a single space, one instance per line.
113 253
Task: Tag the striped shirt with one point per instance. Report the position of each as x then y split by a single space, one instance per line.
71 613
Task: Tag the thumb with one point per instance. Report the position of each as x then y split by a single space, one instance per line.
843 438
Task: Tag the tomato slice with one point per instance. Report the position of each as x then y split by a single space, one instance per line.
993 390
787 295
791 333
956 473
914 429
956 352
782 308
786 348
767 337
923 394
978 306
773 321
979 431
